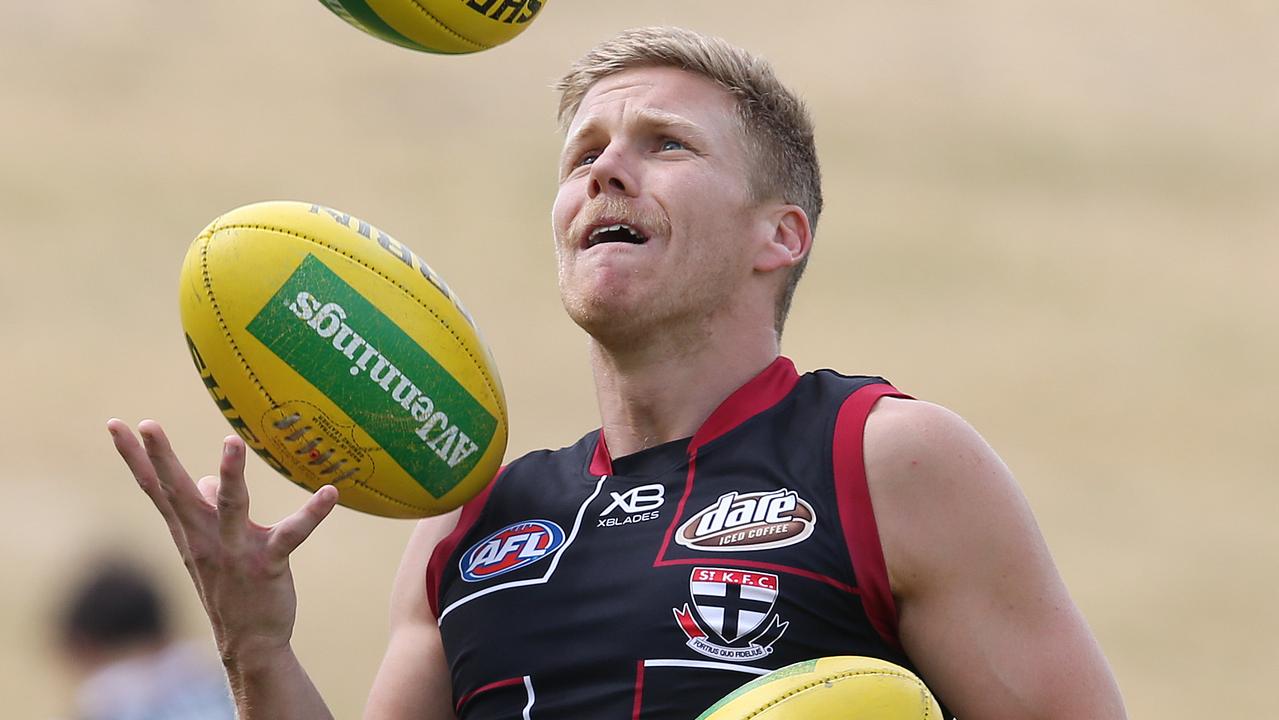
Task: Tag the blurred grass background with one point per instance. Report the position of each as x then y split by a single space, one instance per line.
1061 220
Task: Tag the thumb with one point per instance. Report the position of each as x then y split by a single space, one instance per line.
293 530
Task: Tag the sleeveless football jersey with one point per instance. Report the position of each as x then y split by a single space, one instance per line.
576 587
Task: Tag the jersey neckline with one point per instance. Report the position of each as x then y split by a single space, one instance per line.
754 397
652 461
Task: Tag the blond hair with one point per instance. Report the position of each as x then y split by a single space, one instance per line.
775 123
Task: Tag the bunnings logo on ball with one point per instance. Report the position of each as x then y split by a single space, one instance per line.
379 376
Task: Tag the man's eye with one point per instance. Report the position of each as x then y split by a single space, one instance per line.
587 158
669 144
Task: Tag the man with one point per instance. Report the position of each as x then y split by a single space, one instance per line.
115 638
720 523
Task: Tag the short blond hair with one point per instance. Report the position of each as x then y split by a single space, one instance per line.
775 123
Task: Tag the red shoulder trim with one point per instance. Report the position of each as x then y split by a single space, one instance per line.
601 461
861 533
485 688
758 394
444 548
639 690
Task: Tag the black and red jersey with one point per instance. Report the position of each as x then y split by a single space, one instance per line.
648 587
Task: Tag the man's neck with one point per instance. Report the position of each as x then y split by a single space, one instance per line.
656 393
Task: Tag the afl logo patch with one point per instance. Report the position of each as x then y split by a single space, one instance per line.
510 548
749 521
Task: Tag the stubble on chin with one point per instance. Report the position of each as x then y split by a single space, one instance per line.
625 325
600 313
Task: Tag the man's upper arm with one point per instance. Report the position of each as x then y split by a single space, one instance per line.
413 681
982 610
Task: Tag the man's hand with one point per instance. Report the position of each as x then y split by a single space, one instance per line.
240 569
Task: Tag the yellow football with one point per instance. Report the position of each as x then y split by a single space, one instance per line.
831 688
449 27
342 359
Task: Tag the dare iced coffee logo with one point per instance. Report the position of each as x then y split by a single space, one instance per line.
749 521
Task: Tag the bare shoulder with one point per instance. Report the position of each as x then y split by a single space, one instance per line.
919 447
408 596
428 533
933 480
982 610
903 435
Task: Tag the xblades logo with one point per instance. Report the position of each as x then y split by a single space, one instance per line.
749 521
637 505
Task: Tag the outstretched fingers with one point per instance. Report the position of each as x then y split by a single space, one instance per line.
177 485
293 530
232 496
144 472
142 464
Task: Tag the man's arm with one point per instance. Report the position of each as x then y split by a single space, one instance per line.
413 681
982 610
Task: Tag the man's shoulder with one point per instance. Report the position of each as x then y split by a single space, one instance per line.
927 470
839 378
901 423
905 437
576 453
833 388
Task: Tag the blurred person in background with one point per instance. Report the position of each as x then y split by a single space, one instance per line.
114 635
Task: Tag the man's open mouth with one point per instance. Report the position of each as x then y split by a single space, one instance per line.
618 232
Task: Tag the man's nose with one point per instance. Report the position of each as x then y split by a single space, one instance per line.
613 173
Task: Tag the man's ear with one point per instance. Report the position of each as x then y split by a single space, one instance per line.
791 240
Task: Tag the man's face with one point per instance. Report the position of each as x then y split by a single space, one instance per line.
659 152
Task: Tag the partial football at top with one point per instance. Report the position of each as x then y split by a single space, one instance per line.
445 27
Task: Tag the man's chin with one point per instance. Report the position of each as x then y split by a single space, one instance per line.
609 319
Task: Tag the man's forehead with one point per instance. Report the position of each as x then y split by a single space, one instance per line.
662 94
589 122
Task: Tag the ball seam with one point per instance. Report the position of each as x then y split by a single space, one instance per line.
226 332
836 676
446 28
369 488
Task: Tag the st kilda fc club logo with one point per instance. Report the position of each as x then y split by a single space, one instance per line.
732 615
